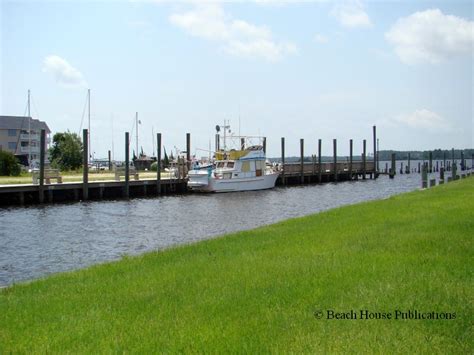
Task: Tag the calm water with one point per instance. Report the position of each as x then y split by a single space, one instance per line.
37 241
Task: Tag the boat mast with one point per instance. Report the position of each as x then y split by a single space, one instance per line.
136 134
29 130
89 126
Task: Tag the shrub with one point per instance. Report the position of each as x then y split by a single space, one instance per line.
9 165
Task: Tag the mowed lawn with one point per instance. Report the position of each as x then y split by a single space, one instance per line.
258 291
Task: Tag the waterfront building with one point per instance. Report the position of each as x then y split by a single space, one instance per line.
20 135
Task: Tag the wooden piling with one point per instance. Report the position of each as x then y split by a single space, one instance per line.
188 151
401 168
444 159
350 158
265 145
462 161
41 172
393 168
158 163
437 165
364 159
110 161
374 133
441 174
242 143
424 177
126 189
430 168
334 146
302 159
409 164
85 165
419 171
283 160
432 182
320 166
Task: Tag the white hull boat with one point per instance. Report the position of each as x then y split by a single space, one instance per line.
235 170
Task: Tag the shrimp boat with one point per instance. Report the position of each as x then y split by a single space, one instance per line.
242 169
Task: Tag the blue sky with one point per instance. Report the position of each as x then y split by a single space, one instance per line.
294 69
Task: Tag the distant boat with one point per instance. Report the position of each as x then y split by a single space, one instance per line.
235 170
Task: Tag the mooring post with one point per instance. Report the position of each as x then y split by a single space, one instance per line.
444 160
462 161
334 146
454 171
242 143
188 151
430 169
264 145
393 168
424 177
158 163
320 167
437 166
441 175
302 159
386 168
472 161
374 131
126 189
110 161
401 168
364 158
409 165
453 163
350 158
41 172
282 173
419 171
85 165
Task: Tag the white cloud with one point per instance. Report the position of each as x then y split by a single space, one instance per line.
64 73
431 36
238 37
319 38
423 119
351 14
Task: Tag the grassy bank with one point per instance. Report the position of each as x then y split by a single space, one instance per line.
261 290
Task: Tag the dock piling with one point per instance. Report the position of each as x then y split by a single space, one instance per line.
364 159
393 168
85 165
283 160
334 146
126 189
350 158
158 163
41 174
302 159
320 167
188 151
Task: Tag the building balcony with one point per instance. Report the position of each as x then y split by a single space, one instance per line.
26 150
26 137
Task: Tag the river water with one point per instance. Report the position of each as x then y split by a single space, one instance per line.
40 240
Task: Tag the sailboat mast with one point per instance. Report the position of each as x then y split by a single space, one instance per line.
89 126
136 133
29 130
153 139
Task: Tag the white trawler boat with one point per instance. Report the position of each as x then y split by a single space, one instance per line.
244 169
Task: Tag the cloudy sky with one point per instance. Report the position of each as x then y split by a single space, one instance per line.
294 69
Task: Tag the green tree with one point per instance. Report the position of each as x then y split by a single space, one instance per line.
66 152
9 165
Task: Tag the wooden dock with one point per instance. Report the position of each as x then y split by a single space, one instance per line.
28 194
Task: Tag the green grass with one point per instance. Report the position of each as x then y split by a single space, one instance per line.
257 291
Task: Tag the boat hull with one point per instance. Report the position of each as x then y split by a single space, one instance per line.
233 185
